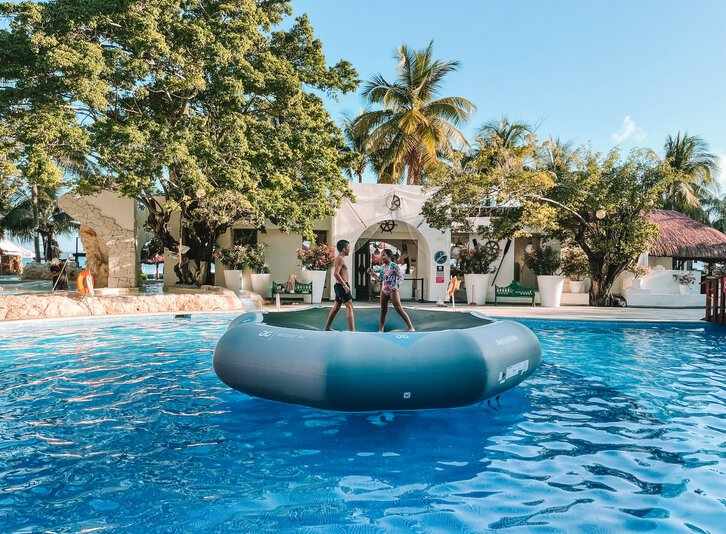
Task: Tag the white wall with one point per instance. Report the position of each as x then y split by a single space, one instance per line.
361 219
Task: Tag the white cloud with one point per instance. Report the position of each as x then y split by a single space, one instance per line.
629 131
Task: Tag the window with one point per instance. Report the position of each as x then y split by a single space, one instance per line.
244 236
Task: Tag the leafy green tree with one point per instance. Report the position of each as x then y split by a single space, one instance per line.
414 127
596 202
8 179
206 109
41 136
693 169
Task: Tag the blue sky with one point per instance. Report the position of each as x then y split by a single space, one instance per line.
603 72
599 72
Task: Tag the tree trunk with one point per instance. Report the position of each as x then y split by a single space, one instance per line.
600 292
603 279
36 221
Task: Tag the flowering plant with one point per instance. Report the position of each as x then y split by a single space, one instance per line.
685 279
316 258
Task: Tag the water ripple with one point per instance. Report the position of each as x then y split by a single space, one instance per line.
121 425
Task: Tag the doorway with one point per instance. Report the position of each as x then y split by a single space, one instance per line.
368 261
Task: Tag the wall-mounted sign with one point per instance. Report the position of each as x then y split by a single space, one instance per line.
387 226
440 257
394 202
439 274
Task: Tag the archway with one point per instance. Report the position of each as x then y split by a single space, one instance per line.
410 246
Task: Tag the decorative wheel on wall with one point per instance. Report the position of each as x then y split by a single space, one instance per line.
387 226
492 248
394 202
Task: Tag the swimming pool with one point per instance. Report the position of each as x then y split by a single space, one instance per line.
121 425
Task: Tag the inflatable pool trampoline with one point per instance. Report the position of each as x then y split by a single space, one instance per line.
453 359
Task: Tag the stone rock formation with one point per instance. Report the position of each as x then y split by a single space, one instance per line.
108 233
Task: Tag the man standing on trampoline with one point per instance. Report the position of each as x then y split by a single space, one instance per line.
343 294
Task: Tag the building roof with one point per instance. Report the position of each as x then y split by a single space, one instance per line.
682 237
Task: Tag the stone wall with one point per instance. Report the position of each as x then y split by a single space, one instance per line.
108 233
65 304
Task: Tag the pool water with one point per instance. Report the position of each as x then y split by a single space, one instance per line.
122 426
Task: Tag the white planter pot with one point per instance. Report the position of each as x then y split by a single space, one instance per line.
684 289
577 286
233 279
550 290
262 284
318 280
477 286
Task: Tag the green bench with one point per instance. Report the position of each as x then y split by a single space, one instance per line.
513 290
302 291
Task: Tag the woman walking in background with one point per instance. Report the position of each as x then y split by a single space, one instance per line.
391 278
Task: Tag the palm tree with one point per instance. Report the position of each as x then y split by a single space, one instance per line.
694 168
414 127
715 207
41 222
355 147
504 133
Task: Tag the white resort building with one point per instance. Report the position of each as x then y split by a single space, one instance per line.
112 234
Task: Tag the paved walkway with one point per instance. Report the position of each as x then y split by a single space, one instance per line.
564 312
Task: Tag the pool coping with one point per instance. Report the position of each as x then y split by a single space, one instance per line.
480 311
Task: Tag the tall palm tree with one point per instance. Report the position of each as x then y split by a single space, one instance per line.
694 168
413 126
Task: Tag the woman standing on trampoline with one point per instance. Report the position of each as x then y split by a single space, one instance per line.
391 278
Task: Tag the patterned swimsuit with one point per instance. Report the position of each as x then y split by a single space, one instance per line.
391 278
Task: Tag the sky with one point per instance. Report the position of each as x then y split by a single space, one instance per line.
605 72
601 72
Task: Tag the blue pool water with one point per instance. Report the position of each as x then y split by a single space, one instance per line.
122 426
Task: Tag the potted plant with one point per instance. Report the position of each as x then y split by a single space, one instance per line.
545 262
237 260
576 268
685 280
475 264
316 260
260 277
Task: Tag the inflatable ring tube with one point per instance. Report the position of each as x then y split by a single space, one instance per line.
454 359
84 282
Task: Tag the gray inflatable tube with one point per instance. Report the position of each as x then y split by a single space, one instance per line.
453 359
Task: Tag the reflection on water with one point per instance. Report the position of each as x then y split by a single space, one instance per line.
122 425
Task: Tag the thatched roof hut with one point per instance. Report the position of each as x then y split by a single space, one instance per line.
683 238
